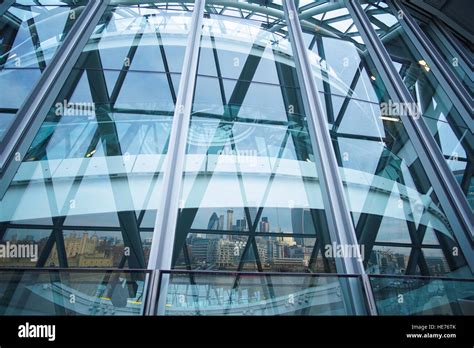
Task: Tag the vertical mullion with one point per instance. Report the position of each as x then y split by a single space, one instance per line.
33 112
166 219
337 213
444 184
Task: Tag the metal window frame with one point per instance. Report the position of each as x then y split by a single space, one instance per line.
445 76
167 215
442 30
5 6
192 273
33 112
451 85
453 42
453 201
447 190
454 88
339 221
439 14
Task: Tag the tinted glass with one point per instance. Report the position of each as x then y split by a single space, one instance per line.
251 198
43 292
444 120
30 34
394 209
422 296
89 187
227 294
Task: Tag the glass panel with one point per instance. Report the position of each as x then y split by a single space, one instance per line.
250 183
444 121
423 296
94 168
30 34
221 293
52 292
47 2
463 46
390 197
443 41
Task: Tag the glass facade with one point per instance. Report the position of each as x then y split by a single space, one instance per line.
256 294
82 215
394 210
108 132
74 292
251 193
449 129
30 33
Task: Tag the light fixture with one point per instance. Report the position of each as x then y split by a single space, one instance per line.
423 63
90 153
391 119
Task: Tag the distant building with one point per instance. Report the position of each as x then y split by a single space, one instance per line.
230 219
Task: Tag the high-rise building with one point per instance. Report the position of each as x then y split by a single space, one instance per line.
264 225
302 223
230 220
213 222
226 144
220 226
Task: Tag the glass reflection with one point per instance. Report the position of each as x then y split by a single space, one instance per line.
454 137
251 195
49 292
220 293
423 296
394 210
445 43
91 180
30 34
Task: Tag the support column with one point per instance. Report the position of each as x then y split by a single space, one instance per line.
167 216
338 217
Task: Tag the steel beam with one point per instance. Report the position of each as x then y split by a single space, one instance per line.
167 215
338 217
445 76
5 6
444 184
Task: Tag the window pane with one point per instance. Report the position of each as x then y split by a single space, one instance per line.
445 42
444 121
390 197
422 296
251 191
48 292
30 34
94 168
222 293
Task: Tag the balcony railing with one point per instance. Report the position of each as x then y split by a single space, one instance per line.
50 291
74 291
